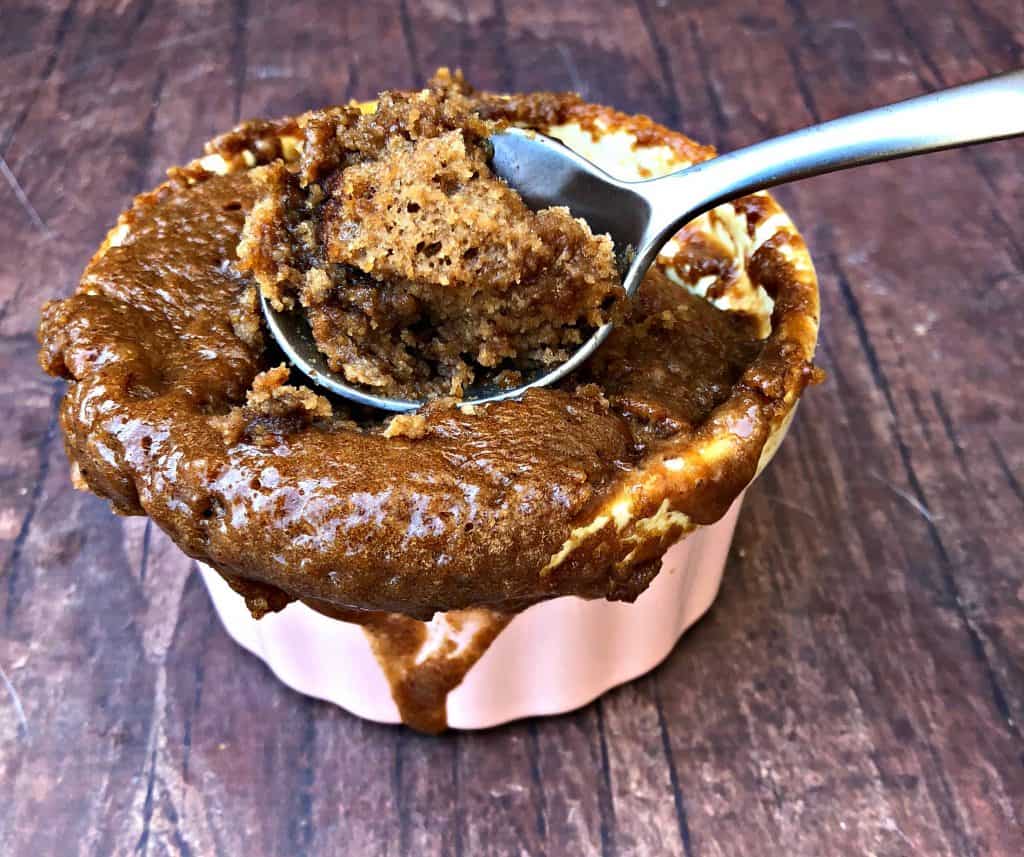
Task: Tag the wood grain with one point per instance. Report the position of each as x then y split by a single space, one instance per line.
859 685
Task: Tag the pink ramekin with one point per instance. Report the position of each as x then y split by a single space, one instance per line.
551 658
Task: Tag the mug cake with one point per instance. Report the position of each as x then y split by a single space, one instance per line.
457 565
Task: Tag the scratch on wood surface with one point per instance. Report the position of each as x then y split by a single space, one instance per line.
142 846
799 73
22 197
239 47
33 503
1004 466
917 505
536 780
508 76
19 709
673 774
457 812
672 105
959 449
607 827
923 423
352 85
775 499
398 793
160 788
271 72
409 34
721 121
569 61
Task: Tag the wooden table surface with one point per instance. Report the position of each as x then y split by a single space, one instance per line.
858 687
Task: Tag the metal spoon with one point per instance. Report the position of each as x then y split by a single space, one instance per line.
642 216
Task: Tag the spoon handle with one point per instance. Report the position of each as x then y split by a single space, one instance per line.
989 109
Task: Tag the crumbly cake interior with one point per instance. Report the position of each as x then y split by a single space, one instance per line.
417 268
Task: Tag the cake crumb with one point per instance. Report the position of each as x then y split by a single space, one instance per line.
411 426
272 407
246 320
77 479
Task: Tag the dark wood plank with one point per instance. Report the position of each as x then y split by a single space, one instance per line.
870 321
858 687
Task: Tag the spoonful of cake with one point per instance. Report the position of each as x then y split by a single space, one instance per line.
478 264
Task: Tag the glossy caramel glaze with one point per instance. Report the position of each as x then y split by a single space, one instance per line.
424 661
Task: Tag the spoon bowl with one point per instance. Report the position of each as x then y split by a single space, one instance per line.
641 216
